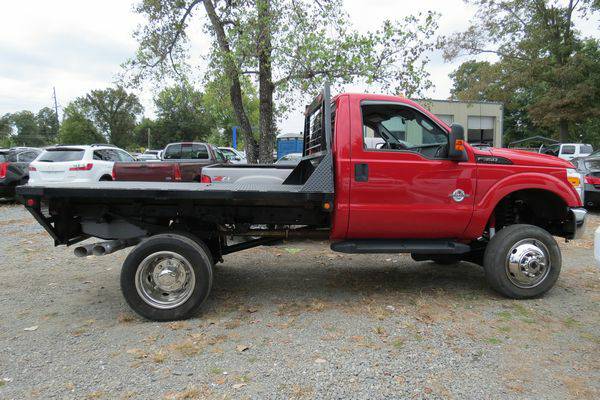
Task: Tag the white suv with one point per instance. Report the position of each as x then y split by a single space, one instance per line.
76 164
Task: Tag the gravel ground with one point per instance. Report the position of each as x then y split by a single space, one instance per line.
293 321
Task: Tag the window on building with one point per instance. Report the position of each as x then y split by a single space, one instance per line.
480 129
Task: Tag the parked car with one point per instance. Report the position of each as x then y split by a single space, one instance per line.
589 167
429 194
68 163
233 155
568 151
289 159
14 168
150 155
181 162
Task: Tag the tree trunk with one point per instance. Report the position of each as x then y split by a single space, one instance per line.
563 126
235 91
265 81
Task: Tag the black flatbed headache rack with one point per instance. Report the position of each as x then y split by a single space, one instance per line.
114 210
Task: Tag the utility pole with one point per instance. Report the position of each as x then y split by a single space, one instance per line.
55 106
148 148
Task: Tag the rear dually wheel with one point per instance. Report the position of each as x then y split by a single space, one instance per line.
167 277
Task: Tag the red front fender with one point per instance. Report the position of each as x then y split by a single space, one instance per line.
486 204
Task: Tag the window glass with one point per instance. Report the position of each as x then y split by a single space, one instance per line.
219 155
61 155
186 151
27 156
586 149
568 150
123 156
3 157
100 155
395 127
173 152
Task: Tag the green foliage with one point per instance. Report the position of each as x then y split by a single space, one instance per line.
47 122
5 130
217 104
76 128
181 114
291 46
547 74
27 129
113 111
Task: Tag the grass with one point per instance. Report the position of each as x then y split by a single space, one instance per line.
216 371
398 344
159 357
571 323
494 341
504 315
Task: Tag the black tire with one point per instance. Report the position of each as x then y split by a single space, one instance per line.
197 255
496 256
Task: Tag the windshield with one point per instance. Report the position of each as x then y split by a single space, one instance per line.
61 155
3 157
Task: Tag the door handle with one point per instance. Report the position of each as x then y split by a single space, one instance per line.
361 172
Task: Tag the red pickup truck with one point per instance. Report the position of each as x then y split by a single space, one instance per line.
419 189
180 162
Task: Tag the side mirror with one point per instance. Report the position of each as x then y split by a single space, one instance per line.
456 146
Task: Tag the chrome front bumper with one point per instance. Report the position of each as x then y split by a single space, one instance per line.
578 219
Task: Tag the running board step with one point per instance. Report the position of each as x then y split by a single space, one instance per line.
391 246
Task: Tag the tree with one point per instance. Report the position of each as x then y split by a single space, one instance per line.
485 81
76 128
47 122
113 111
540 54
28 132
218 106
289 46
5 130
181 111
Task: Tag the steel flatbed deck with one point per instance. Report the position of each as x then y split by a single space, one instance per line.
267 194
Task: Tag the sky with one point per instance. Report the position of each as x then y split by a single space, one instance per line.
79 45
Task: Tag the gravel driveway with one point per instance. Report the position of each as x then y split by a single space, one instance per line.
293 321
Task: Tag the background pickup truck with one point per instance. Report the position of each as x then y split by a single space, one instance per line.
246 173
181 162
423 190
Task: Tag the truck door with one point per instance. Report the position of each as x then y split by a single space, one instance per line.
403 185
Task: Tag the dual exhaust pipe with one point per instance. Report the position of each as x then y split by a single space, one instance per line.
104 248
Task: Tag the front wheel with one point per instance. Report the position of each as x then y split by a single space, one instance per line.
167 277
522 261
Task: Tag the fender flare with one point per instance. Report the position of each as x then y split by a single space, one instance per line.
484 208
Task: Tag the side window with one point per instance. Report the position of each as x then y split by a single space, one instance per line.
199 152
124 156
567 150
400 128
27 156
99 155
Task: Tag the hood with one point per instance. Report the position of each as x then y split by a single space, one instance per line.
521 157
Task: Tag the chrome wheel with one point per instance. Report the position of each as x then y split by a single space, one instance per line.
528 263
165 280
